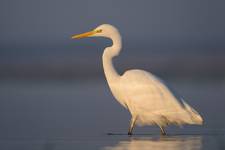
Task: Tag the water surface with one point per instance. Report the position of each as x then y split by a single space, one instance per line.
71 114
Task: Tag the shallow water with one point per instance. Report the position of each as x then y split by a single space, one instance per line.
70 114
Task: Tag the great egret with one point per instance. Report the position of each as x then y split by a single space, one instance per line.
149 101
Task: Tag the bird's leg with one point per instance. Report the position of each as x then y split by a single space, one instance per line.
132 124
163 132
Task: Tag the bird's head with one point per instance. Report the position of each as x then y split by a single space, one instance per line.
104 30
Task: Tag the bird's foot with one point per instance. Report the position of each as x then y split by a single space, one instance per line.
163 133
129 133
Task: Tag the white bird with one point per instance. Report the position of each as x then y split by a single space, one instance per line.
148 100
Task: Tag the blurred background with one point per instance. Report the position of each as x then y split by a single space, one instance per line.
184 38
53 86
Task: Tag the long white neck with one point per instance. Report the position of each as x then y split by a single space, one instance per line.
110 52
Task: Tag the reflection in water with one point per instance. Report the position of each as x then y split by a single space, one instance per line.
163 143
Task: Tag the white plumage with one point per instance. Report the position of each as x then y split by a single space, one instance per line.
149 101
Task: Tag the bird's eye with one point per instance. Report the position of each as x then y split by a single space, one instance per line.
99 31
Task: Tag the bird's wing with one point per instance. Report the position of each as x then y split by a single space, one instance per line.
145 92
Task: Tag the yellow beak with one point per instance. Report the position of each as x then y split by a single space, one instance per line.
83 35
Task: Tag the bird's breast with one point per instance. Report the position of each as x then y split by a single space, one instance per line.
118 93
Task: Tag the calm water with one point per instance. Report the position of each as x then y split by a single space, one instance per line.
70 114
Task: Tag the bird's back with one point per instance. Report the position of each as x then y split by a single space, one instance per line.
145 86
147 96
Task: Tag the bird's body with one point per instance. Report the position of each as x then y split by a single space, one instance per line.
147 98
